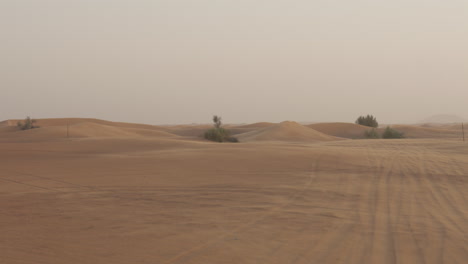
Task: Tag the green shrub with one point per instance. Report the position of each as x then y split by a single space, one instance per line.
218 133
368 120
371 134
392 133
28 124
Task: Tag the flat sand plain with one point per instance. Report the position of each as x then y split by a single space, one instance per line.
127 193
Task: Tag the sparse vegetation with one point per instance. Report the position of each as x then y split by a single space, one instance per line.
372 134
368 120
28 123
392 133
218 133
217 121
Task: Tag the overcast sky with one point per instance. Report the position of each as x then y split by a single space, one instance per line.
181 61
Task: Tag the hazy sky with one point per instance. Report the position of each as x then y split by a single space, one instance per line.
181 61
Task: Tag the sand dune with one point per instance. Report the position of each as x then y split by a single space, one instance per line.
354 131
80 128
427 132
5 123
285 131
188 130
88 129
240 129
264 131
258 125
451 126
122 194
344 130
47 122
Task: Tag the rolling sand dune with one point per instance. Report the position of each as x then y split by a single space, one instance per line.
344 130
354 131
80 128
47 122
258 125
285 131
127 198
88 129
240 129
5 123
427 132
188 130
450 126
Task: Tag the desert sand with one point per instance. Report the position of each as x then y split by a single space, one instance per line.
287 193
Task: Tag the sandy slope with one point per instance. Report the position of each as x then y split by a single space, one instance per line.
54 129
47 122
427 132
258 125
354 131
344 130
285 131
139 199
188 130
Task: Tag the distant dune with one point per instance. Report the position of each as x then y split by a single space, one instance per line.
258 125
187 130
344 130
427 132
450 126
286 131
56 128
8 123
240 129
46 122
80 128
354 131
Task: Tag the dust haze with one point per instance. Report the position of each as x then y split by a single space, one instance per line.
171 62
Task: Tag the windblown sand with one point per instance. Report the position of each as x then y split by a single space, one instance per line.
128 193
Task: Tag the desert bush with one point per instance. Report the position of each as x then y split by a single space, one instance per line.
368 120
392 133
218 133
371 134
28 123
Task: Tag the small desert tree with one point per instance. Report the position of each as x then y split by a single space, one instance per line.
392 133
28 123
218 133
368 120
217 121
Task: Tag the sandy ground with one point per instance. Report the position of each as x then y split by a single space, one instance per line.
141 197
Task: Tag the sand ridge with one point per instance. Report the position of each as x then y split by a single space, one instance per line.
344 130
412 131
52 129
285 131
258 125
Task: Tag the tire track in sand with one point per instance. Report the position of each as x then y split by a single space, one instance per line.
187 254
